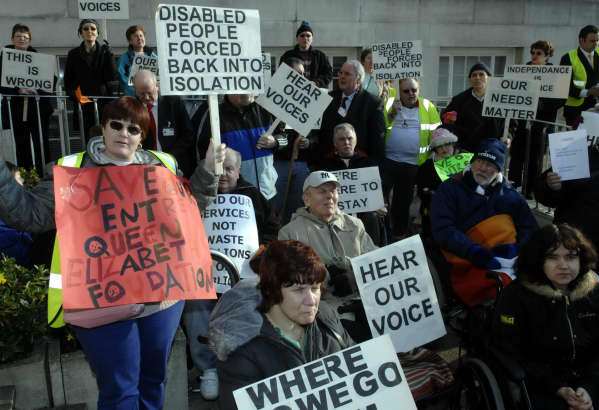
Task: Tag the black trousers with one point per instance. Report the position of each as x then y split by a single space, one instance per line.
400 177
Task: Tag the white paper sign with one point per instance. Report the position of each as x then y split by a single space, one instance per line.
360 190
398 294
208 50
515 98
103 9
143 62
569 154
397 60
294 99
266 68
26 69
367 376
591 124
230 225
555 79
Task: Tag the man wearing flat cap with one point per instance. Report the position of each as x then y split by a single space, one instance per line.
316 64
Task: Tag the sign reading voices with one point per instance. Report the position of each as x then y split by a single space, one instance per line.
103 9
398 294
367 376
25 69
208 50
511 98
230 224
294 99
360 190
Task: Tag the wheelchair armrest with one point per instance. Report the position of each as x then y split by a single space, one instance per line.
512 369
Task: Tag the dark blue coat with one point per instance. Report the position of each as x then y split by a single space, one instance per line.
457 207
15 244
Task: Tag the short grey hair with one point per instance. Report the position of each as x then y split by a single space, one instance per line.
343 127
236 154
358 69
144 76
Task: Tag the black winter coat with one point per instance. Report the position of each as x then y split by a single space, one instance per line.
269 354
93 78
319 71
554 337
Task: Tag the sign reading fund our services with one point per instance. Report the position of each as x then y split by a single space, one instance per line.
397 60
208 50
511 98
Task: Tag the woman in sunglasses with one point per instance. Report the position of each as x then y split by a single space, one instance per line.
128 355
540 53
88 72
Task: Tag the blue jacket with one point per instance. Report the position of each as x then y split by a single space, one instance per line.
457 207
15 244
124 68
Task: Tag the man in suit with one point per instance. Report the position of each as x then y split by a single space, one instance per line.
585 74
358 107
173 132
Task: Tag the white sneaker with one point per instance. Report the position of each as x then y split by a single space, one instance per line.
209 384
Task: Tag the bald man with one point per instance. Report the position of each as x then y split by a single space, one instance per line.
171 129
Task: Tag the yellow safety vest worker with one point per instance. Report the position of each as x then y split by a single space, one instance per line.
55 316
579 77
429 121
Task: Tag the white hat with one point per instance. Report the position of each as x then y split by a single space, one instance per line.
317 178
442 136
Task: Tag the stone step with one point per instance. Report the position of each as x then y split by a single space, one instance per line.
7 397
78 406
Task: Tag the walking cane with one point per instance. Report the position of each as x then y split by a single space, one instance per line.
294 155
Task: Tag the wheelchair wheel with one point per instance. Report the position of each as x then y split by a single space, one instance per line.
478 389
224 264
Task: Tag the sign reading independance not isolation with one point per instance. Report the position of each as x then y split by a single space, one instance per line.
208 50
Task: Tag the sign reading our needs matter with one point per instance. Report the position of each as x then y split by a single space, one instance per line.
555 79
103 9
360 190
294 99
143 62
397 60
25 69
511 98
398 294
367 376
208 50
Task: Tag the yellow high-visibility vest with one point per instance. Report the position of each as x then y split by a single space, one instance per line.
579 77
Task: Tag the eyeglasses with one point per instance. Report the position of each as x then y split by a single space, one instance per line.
89 28
118 126
407 90
537 53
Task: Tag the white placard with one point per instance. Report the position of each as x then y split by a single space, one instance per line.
591 124
208 50
266 68
398 294
294 99
569 154
367 376
230 225
397 60
515 98
26 69
143 62
555 79
103 9
360 190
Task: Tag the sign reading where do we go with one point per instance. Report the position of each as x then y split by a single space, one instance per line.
208 50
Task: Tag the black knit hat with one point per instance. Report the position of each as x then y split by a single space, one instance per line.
480 66
305 26
88 21
492 150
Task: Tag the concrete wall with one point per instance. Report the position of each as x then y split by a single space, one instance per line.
343 23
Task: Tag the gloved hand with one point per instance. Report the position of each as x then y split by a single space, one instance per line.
483 258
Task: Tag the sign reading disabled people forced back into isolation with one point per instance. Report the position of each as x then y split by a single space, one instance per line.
360 190
208 50
103 9
367 376
397 60
129 235
143 62
398 294
511 98
230 224
555 79
294 99
25 69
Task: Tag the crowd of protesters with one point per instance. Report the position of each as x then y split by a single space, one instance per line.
473 222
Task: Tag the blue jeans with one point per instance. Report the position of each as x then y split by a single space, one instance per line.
294 200
130 359
195 318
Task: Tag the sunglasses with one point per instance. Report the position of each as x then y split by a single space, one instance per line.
89 28
407 90
119 125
